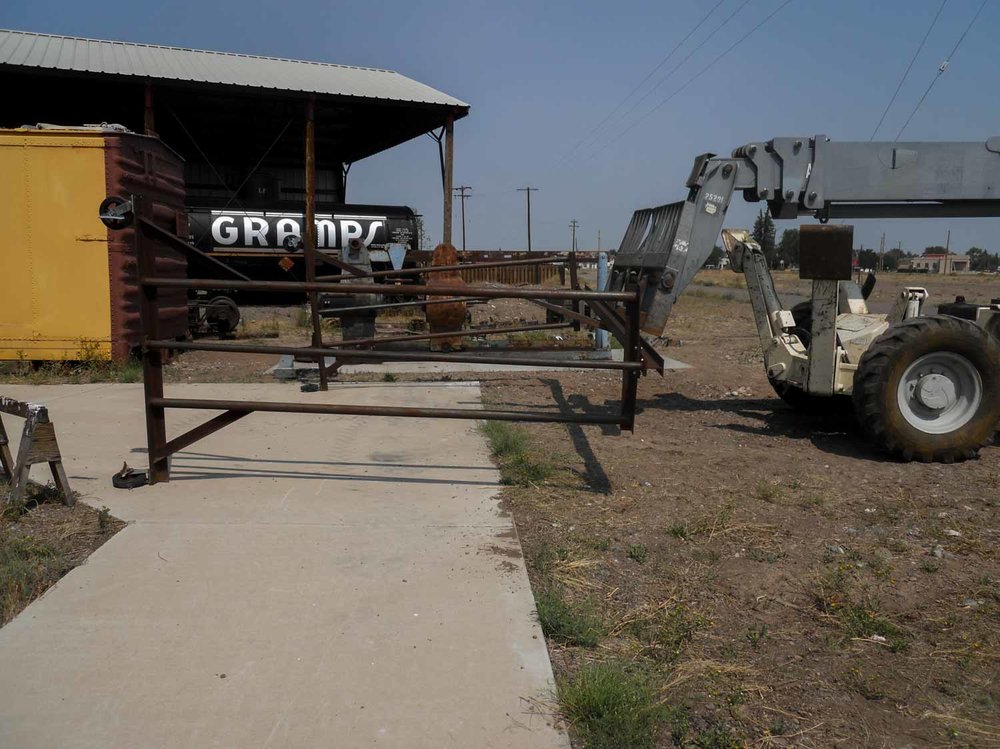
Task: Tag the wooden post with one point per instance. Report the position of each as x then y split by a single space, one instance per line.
310 236
449 177
6 460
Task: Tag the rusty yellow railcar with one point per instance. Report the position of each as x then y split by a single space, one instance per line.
67 286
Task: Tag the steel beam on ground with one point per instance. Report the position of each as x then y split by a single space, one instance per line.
408 356
466 333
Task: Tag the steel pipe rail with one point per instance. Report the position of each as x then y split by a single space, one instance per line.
360 288
457 266
410 356
209 404
337 311
467 333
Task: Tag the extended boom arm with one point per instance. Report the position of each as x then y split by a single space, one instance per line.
666 246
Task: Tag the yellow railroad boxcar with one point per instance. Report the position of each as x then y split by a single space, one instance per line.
67 283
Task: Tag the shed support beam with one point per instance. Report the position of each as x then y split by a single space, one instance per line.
310 234
449 176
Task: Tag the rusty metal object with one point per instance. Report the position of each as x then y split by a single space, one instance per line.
138 165
606 306
464 267
410 356
310 234
467 333
396 305
245 407
447 318
416 290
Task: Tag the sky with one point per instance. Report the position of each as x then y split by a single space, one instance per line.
544 80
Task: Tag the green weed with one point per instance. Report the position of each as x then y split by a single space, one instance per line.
863 620
756 635
665 636
638 553
678 531
512 448
567 622
612 706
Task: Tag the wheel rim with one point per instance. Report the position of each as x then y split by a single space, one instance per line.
940 392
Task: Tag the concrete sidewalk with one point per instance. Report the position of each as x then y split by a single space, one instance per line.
304 581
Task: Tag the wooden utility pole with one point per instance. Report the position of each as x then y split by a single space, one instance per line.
449 176
573 225
527 192
460 191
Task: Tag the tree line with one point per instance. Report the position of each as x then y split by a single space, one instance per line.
784 253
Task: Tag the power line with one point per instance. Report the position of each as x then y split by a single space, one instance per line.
907 72
687 57
697 75
649 75
942 68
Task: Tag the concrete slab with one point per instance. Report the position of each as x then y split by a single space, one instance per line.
304 581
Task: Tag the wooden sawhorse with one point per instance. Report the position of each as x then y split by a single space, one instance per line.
38 445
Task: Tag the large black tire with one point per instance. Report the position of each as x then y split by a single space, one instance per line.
888 361
802 314
823 406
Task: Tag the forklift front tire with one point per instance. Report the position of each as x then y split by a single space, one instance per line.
928 389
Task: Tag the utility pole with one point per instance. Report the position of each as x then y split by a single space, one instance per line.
460 191
527 193
572 225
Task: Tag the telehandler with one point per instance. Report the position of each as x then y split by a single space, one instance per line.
924 386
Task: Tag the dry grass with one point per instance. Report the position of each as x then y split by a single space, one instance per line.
41 539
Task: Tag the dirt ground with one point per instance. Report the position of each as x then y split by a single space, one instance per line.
802 590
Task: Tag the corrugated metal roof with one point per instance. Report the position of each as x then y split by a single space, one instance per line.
26 49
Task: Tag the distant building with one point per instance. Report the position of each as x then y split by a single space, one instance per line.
936 263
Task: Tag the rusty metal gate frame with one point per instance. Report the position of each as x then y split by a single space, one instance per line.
638 354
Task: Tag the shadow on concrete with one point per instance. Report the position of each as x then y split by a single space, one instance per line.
197 466
212 457
181 472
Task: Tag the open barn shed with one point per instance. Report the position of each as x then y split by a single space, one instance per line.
239 121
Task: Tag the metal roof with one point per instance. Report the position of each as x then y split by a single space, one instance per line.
149 61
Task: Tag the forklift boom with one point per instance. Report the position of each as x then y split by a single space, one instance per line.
664 247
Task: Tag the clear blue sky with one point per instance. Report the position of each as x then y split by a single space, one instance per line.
540 75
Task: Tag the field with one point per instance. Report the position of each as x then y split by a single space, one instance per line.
742 576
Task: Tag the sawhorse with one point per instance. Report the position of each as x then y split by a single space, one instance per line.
38 445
